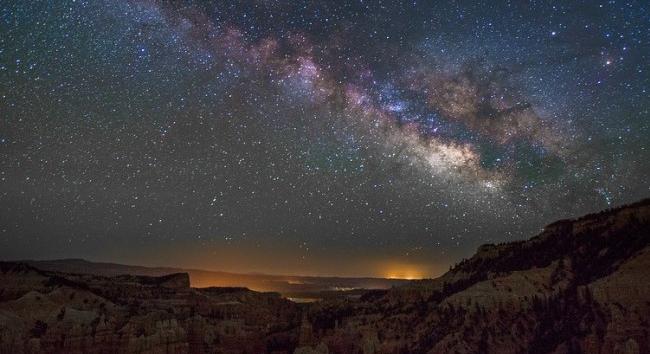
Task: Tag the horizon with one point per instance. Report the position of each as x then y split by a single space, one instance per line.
389 275
520 297
302 275
245 273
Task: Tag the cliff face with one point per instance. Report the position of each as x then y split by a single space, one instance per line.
580 286
47 312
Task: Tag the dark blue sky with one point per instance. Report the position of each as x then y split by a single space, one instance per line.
314 137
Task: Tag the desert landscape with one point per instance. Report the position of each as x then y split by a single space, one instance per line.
579 286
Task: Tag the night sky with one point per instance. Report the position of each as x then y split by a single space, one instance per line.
312 137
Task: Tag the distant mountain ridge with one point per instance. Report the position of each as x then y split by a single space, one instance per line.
580 286
286 284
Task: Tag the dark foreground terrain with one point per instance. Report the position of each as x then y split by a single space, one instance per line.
581 286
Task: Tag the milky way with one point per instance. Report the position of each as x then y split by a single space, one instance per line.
314 137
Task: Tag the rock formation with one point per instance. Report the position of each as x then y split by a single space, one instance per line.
50 312
580 286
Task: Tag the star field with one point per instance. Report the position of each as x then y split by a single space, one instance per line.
314 137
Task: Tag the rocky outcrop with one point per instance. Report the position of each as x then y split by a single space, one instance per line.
580 286
49 312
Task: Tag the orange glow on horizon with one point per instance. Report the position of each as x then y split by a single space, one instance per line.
407 276
403 271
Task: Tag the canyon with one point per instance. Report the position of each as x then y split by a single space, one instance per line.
580 286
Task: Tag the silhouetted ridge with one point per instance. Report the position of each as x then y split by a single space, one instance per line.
581 286
581 240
